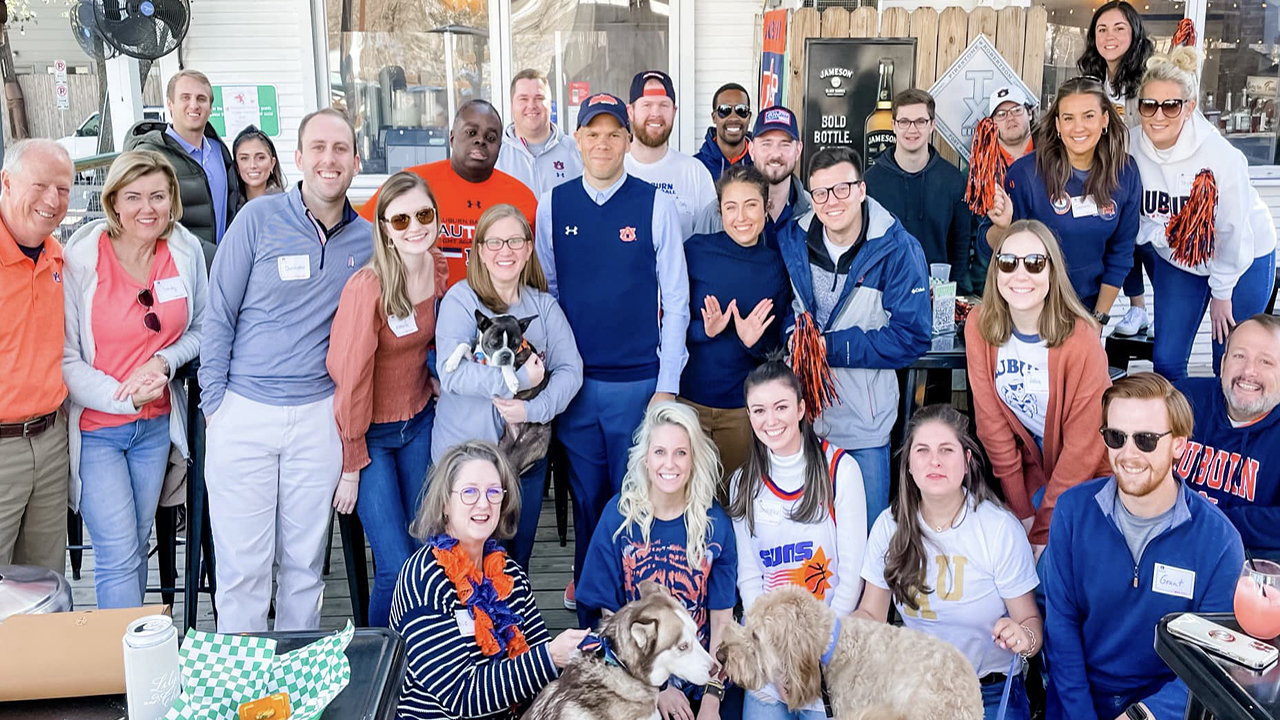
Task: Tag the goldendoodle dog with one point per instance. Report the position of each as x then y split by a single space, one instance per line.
874 671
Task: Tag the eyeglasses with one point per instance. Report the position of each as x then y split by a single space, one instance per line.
1035 263
514 242
919 123
1146 441
147 300
1016 111
839 190
742 111
471 495
1171 108
400 221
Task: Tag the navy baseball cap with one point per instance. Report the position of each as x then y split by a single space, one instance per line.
602 104
638 82
776 118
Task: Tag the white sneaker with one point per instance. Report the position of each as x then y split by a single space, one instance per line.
1133 323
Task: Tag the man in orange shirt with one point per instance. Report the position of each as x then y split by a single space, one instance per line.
467 184
35 186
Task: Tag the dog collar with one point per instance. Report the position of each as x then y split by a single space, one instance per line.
599 646
831 647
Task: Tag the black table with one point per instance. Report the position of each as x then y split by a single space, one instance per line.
1219 688
377 666
946 352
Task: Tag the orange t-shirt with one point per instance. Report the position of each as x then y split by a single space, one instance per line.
460 204
31 334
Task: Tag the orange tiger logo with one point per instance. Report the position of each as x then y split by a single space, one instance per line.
627 234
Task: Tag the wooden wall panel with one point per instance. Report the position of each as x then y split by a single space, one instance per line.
863 22
982 21
835 23
1011 29
895 23
924 28
1033 51
805 23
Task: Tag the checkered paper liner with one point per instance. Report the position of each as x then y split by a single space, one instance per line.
219 672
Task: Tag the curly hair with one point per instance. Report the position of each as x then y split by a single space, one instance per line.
1129 70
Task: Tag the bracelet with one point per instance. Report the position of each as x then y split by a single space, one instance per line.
1031 650
714 688
168 371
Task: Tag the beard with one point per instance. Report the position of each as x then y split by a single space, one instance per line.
655 140
775 173
1256 408
1015 139
1158 470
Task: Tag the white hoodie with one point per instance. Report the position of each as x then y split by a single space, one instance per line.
1243 222
559 160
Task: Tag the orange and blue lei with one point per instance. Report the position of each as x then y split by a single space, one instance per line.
484 593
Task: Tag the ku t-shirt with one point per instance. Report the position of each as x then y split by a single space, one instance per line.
460 204
973 567
683 178
1022 380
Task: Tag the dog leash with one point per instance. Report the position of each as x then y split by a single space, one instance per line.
822 673
1015 667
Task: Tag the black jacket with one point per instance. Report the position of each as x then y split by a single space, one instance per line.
930 204
197 199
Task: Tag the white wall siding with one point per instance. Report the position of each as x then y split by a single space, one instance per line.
725 50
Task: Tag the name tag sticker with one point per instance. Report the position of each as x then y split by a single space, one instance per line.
769 514
1036 381
402 326
294 267
169 289
466 623
1175 581
1083 206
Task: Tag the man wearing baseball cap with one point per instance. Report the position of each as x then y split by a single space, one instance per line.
653 114
611 248
775 150
1010 107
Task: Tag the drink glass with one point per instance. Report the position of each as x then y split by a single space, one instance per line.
1257 601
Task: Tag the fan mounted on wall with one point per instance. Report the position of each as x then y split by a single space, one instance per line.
143 29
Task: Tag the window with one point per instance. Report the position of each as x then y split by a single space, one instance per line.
1238 85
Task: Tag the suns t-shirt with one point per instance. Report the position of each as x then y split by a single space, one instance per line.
460 205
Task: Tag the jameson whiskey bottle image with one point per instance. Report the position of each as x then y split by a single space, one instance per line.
878 130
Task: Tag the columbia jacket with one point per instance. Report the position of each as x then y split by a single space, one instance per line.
558 162
711 155
882 320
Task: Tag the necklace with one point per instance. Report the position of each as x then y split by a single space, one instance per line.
939 528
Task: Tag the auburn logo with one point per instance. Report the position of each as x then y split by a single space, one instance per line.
627 234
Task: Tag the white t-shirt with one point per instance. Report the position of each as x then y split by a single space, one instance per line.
834 251
683 178
1022 380
973 567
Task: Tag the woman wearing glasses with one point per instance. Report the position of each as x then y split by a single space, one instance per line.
383 330
1232 276
1082 184
135 287
1038 373
504 277
475 642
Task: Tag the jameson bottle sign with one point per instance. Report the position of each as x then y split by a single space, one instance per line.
849 89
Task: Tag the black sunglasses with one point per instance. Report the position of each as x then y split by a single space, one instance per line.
1147 107
742 111
400 221
1146 441
1035 263
147 300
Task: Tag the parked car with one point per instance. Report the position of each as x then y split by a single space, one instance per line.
84 141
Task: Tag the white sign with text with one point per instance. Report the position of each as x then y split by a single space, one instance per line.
964 89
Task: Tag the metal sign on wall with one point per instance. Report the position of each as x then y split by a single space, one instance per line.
842 80
964 89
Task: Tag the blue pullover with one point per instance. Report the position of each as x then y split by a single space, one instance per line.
713 157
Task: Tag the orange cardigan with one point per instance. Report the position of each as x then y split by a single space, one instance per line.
1073 449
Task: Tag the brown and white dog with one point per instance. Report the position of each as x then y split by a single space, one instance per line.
873 670
621 667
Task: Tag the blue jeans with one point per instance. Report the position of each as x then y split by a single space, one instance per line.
532 484
122 470
874 464
1019 707
753 708
1181 300
390 486
1144 258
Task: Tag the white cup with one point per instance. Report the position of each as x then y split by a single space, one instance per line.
940 271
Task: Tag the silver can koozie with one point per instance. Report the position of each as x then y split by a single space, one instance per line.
152 678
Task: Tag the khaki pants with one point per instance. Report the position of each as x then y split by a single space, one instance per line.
730 430
33 498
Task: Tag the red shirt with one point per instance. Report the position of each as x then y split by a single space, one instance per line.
31 334
121 342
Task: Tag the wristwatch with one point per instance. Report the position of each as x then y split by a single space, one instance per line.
1101 317
1137 712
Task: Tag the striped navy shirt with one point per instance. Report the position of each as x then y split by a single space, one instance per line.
448 676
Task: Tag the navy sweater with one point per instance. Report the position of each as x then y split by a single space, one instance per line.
1234 467
720 267
1098 245
1103 608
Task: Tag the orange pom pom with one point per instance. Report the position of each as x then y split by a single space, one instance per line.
1185 35
1191 233
986 167
809 362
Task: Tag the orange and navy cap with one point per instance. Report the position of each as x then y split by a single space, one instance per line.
601 104
642 78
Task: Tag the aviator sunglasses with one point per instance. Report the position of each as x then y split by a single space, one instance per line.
1147 107
1035 263
147 300
400 221
1146 441
742 111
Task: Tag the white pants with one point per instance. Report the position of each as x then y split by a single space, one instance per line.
271 474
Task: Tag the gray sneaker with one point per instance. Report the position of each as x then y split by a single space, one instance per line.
1133 323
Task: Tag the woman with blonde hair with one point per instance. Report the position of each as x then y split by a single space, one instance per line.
382 333
666 526
1038 373
1232 276
475 642
505 278
136 289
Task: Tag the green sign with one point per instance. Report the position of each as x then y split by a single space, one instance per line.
237 106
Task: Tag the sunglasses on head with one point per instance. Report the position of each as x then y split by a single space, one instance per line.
1146 441
147 300
742 111
1035 263
1147 107
400 221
